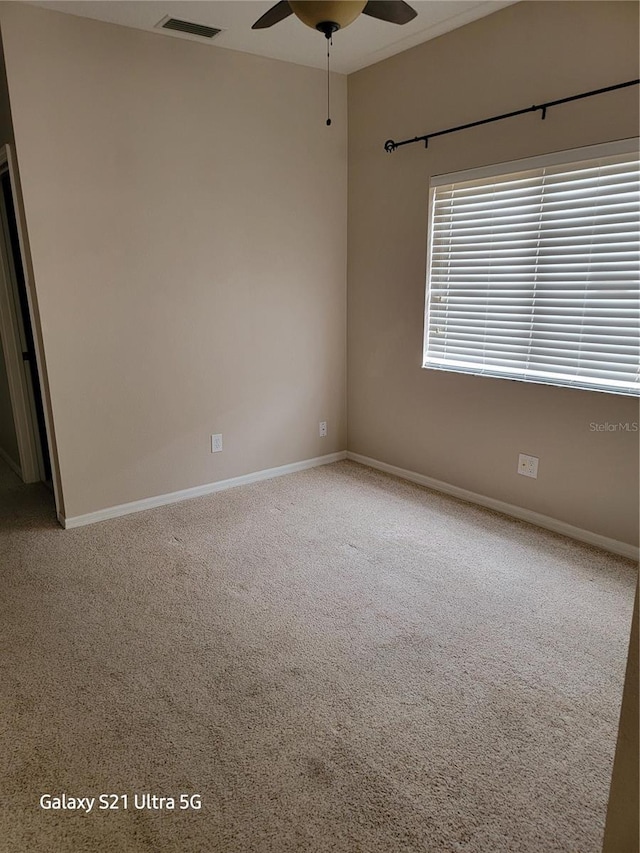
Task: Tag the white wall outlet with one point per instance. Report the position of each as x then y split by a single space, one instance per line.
323 429
216 443
528 465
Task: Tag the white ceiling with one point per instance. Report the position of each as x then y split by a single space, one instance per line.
364 42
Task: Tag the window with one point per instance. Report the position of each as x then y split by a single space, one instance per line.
533 270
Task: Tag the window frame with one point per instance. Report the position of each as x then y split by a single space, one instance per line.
567 156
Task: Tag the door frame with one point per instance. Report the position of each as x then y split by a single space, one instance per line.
20 385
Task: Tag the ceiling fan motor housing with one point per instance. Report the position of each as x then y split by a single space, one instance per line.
328 16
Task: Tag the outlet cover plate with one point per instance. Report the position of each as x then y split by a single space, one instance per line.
528 465
323 429
216 443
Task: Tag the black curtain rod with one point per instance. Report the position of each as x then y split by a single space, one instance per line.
390 145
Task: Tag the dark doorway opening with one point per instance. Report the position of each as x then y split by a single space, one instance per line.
29 354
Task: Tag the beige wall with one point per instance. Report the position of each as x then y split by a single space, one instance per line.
468 431
6 126
186 208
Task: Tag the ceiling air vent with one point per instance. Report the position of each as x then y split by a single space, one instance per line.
200 30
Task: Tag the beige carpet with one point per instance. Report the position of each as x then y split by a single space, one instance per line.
336 661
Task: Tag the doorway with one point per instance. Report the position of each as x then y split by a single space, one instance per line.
20 341
13 259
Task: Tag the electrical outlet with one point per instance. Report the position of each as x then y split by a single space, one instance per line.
323 429
528 465
216 443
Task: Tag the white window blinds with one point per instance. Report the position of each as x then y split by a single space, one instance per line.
534 274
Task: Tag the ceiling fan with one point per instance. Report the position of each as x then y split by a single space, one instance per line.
329 16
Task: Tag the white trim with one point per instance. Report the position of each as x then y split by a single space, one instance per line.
555 158
7 154
197 491
12 334
13 465
616 547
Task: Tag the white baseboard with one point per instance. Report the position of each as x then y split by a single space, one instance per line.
13 465
616 547
197 491
613 545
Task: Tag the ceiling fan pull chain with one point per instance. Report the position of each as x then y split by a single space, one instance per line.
329 42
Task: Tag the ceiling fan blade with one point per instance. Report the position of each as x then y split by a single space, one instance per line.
394 11
275 14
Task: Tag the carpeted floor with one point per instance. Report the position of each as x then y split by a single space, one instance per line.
336 661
